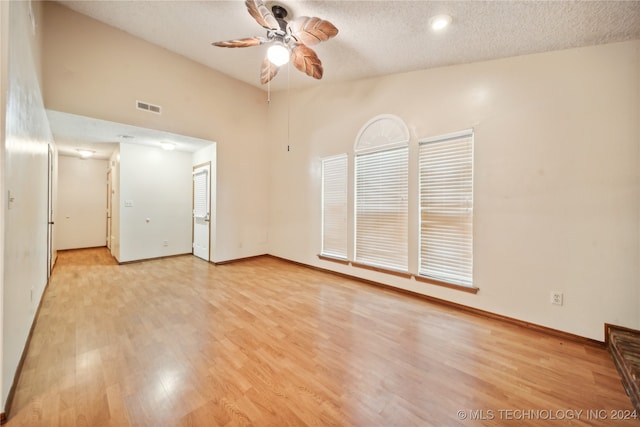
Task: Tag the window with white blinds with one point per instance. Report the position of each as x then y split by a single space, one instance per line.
201 193
334 207
446 208
382 209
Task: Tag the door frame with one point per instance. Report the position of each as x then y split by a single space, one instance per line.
109 207
50 221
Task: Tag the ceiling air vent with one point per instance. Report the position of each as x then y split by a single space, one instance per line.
148 107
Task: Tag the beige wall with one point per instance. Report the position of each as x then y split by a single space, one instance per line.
4 71
556 177
25 176
98 71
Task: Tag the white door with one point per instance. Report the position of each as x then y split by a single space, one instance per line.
201 210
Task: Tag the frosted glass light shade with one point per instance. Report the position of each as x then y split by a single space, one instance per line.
278 55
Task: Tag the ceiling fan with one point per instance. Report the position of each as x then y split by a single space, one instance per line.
291 40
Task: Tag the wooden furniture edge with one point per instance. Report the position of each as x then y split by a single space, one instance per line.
511 320
608 327
4 416
626 376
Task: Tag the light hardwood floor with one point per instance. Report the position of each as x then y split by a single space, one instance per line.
263 342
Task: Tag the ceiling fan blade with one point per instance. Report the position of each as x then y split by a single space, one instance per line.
248 42
312 30
268 71
263 16
307 61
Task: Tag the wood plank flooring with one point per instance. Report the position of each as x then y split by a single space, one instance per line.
263 342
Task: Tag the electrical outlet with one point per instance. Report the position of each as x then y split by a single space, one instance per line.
556 298
165 243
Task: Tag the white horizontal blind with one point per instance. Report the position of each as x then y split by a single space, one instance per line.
446 208
201 193
334 207
381 193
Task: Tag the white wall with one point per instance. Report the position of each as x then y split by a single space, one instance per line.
157 185
556 177
202 156
25 174
82 203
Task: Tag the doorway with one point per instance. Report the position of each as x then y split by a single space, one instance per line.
201 210
109 201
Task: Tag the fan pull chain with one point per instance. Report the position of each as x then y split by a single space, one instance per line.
269 86
289 106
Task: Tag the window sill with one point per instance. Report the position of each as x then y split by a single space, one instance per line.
468 289
382 270
334 259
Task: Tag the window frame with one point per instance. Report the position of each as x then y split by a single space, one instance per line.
384 259
460 273
343 251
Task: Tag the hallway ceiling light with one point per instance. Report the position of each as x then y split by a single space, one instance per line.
85 154
167 146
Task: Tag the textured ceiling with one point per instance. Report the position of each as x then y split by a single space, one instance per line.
376 37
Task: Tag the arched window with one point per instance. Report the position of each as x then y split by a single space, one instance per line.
382 193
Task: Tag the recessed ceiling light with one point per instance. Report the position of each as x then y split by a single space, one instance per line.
85 154
440 22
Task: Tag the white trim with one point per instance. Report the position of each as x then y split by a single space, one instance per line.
446 136
394 124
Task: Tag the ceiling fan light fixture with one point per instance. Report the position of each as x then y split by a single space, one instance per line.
290 40
278 54
440 22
